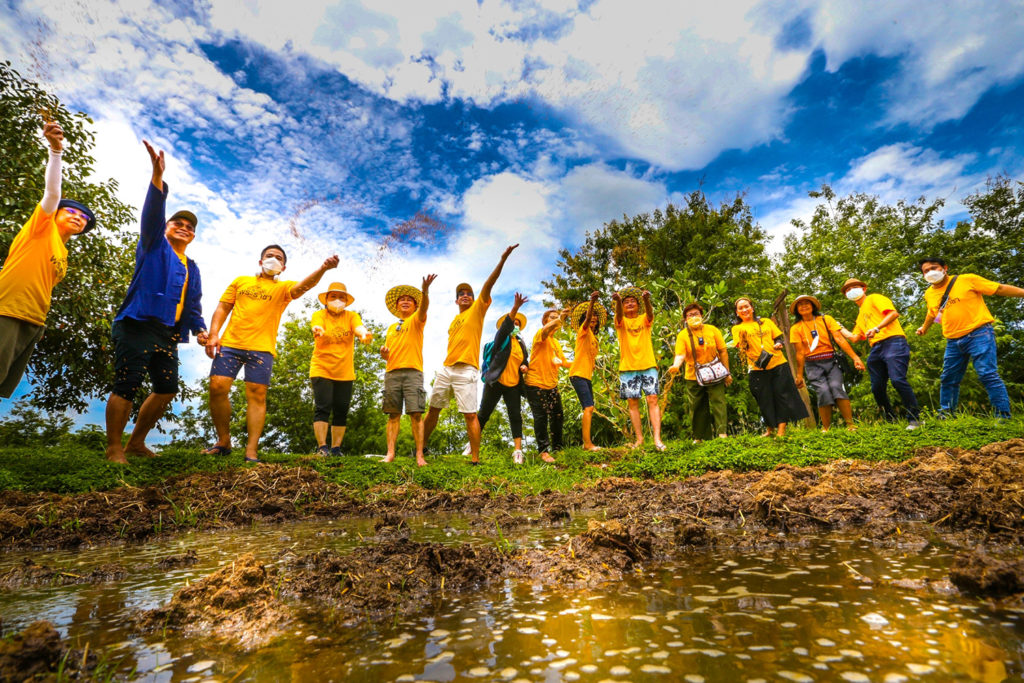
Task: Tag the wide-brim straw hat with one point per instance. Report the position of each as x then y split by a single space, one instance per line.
336 287
852 282
631 291
520 319
805 297
579 314
395 293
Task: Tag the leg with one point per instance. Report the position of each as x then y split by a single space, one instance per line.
220 408
557 419
954 365
394 422
256 415
588 417
654 411
847 412
781 429
320 432
540 419
416 423
131 358
488 402
429 423
825 413
473 431
514 408
699 412
718 407
118 410
897 361
439 398
760 387
340 402
634 417
322 397
983 355
151 411
337 435
878 372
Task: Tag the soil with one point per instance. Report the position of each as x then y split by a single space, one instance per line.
978 573
28 573
36 653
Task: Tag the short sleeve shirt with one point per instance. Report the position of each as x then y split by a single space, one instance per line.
259 303
636 351
510 375
333 351
818 327
965 310
585 354
464 335
708 341
873 308
543 372
750 341
404 340
36 262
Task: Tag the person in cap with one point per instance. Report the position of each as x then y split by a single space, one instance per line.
958 303
457 377
507 362
36 261
588 318
697 344
403 374
332 367
760 342
255 304
546 357
638 372
162 306
814 336
878 323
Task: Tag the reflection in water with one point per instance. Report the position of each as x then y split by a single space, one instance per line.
794 615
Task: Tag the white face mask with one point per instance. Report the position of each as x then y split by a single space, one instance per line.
271 266
694 321
336 305
934 276
854 293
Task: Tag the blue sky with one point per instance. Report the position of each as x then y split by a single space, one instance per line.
321 124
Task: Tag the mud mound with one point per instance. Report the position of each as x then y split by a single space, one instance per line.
28 573
980 574
236 603
775 485
694 535
38 652
186 559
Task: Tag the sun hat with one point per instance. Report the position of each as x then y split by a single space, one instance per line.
336 287
805 297
397 292
187 215
579 314
520 320
850 283
631 291
91 223
464 285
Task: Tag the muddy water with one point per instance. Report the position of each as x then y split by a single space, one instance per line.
800 614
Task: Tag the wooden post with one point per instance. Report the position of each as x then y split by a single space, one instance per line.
780 313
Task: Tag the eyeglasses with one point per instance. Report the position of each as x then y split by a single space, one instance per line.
184 224
78 212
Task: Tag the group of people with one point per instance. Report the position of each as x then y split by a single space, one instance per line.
163 306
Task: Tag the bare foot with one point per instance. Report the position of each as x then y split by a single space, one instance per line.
115 453
139 449
851 428
390 457
591 447
546 457
723 436
636 444
769 433
420 462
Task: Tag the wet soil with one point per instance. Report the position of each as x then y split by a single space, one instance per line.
28 573
38 652
978 573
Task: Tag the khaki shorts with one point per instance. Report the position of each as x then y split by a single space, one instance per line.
460 381
404 386
19 338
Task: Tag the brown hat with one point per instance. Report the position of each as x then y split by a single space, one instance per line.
395 293
520 320
187 215
850 283
336 287
805 297
464 285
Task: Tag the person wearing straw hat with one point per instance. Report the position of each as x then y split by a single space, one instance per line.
878 323
638 372
699 344
588 319
457 377
403 375
814 336
255 304
542 385
36 261
507 362
332 368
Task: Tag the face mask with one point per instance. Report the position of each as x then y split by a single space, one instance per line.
271 266
336 305
854 293
515 331
934 276
694 321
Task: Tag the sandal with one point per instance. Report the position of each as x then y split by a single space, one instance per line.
217 450
323 451
256 459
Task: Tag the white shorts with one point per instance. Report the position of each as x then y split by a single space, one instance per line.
460 381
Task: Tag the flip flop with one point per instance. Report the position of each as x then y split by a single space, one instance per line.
256 459
217 450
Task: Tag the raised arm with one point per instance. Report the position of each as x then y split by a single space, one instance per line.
424 296
617 302
589 319
52 191
648 308
485 291
153 219
309 282
552 325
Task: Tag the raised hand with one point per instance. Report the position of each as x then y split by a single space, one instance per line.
647 296
427 281
616 297
330 262
508 251
157 159
594 296
520 300
54 135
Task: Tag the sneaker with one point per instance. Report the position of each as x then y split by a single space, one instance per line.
323 451
913 424
336 452
517 457
468 450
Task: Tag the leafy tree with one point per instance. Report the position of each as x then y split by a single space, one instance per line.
72 363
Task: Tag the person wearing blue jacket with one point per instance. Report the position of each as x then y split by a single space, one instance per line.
503 376
163 304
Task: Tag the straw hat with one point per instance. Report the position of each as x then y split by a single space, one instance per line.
520 320
805 297
580 313
631 291
336 287
850 283
391 298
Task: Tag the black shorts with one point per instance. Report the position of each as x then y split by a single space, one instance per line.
144 347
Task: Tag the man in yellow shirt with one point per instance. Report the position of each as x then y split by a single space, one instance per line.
255 304
546 356
958 303
458 375
638 372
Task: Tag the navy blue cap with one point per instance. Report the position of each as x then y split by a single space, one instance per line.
83 208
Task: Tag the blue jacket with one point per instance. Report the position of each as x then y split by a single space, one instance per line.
156 283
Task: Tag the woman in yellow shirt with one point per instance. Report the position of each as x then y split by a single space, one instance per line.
701 343
760 342
503 376
589 319
546 357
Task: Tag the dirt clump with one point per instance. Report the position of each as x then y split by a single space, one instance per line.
236 603
186 559
694 535
979 573
392 526
37 653
28 573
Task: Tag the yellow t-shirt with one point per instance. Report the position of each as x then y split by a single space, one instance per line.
333 350
259 303
966 310
36 262
803 331
184 288
750 342
585 354
706 352
636 351
464 335
543 373
405 344
510 375
872 310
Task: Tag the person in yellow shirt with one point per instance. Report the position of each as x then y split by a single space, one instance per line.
546 357
812 336
589 318
878 323
457 378
255 304
332 368
760 343
36 261
503 377
702 343
403 374
958 303
638 372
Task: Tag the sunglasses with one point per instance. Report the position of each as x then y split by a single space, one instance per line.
184 224
78 212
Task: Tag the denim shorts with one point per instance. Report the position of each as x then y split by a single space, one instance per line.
584 390
257 364
637 383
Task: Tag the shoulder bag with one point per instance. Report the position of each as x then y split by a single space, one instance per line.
707 373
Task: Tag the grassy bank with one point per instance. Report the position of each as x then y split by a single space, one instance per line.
74 470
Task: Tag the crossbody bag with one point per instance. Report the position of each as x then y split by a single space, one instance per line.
707 373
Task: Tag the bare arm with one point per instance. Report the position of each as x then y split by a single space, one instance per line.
220 314
365 336
553 324
886 319
723 355
801 352
310 280
485 291
617 301
926 325
52 189
848 350
1010 290
424 296
589 320
648 308
677 363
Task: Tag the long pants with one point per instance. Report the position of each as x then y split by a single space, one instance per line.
887 363
513 406
776 395
546 406
978 347
707 409
331 396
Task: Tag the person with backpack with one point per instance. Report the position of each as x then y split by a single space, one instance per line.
542 386
701 346
958 303
505 364
589 318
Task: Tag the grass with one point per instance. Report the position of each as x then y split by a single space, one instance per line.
28 469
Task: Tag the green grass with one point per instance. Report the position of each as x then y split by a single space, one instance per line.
73 471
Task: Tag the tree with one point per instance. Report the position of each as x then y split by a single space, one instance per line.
73 361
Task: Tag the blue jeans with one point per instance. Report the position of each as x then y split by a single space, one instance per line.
888 362
979 347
